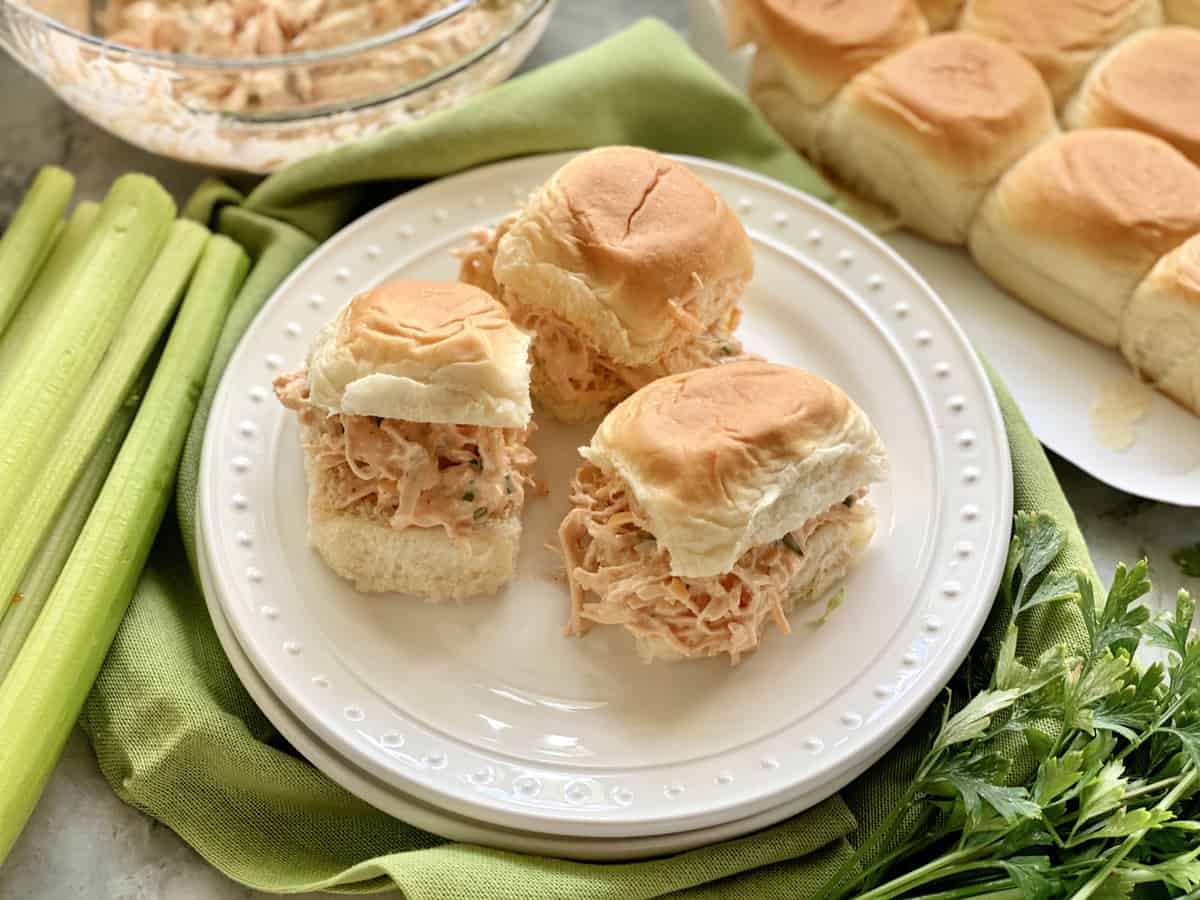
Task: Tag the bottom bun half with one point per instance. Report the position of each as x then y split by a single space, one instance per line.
425 562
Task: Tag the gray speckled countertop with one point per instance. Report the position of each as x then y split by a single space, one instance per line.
83 842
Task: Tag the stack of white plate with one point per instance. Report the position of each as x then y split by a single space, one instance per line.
481 721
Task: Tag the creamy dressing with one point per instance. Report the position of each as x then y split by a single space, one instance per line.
619 575
1118 407
414 474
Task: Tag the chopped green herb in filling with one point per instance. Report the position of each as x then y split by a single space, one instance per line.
830 605
790 543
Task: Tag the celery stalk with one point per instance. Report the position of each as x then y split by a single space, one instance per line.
136 338
44 254
42 694
48 377
35 313
26 241
43 572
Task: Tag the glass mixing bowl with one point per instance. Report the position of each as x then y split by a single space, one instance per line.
260 113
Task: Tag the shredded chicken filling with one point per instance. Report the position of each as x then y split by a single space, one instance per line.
619 575
414 474
249 28
569 370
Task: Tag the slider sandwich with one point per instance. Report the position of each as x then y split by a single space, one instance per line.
713 502
414 411
625 267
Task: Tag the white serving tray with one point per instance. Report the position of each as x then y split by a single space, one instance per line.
1055 376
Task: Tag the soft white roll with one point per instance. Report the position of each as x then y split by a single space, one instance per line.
620 241
724 459
1160 331
1062 38
927 132
809 49
425 562
1149 82
713 502
423 351
1075 226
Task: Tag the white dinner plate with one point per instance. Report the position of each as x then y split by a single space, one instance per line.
485 709
457 828
1054 374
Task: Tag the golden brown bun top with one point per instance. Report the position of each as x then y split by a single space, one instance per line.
1152 82
1111 188
957 89
700 433
1054 34
414 319
730 457
423 351
837 37
619 242
636 216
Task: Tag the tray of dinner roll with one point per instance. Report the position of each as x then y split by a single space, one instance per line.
1039 165
601 504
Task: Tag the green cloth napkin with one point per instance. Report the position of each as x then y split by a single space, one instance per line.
175 733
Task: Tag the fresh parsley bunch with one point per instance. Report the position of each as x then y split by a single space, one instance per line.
1111 808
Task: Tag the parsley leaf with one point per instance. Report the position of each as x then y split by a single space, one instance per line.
1031 875
1097 750
975 779
1076 774
1103 792
1120 621
1134 707
1041 540
1115 887
1182 871
1056 776
1189 736
1125 822
1053 589
1013 675
1172 632
972 720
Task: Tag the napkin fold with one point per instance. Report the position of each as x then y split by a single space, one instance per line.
177 736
